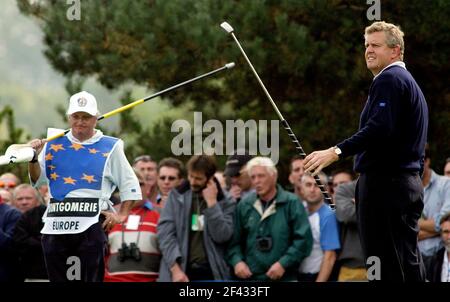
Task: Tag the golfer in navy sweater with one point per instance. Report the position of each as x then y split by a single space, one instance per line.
389 148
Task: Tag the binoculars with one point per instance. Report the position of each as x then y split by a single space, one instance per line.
129 252
264 244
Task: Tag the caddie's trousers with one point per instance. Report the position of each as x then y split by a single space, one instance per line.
76 257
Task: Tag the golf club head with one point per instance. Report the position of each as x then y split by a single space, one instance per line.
230 65
227 27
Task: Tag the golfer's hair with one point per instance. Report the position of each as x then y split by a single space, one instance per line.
172 163
262 162
202 163
394 35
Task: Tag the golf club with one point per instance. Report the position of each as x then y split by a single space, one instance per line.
229 29
21 152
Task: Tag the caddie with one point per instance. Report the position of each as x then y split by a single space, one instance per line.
82 169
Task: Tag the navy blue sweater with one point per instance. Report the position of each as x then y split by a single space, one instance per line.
393 125
8 264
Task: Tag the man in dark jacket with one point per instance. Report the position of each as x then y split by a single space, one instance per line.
27 244
389 148
8 261
271 231
195 227
438 265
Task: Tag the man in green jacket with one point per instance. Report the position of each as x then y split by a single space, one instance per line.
272 234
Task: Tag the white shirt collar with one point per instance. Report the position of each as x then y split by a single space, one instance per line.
95 138
396 63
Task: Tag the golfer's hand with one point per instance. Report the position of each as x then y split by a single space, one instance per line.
111 219
242 270
37 144
316 161
276 271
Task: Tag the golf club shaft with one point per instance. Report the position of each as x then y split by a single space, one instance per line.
285 124
138 102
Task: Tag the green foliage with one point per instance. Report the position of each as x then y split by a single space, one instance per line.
13 135
308 53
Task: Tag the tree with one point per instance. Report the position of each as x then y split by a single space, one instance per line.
13 135
308 53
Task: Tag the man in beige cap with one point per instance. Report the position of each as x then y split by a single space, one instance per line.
82 169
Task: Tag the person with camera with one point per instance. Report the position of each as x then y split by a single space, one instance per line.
195 227
271 230
133 254
317 267
82 169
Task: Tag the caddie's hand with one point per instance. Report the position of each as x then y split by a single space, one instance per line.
111 219
210 193
37 144
316 161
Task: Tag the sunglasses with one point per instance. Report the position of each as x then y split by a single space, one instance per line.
7 185
171 178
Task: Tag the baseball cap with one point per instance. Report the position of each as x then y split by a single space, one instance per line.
235 163
82 102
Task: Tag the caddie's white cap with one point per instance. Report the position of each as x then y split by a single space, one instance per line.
83 101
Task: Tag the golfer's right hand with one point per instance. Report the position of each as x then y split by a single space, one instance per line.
37 144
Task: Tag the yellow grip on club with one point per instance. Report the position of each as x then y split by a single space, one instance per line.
118 110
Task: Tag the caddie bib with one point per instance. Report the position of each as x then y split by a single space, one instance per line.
75 175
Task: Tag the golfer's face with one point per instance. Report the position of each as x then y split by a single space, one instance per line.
378 55
82 125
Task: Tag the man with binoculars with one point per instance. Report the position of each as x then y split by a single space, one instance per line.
133 254
271 229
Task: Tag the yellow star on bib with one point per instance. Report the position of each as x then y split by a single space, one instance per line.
48 156
56 148
93 151
54 176
76 146
69 180
89 178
